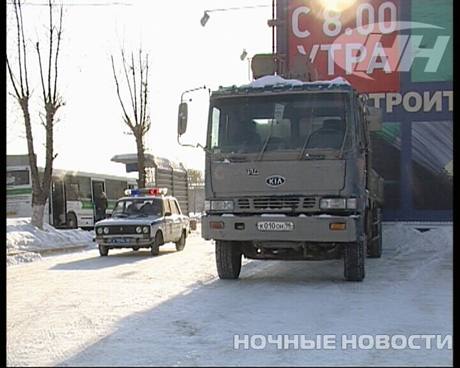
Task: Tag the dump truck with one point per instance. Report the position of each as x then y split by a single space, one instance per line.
289 175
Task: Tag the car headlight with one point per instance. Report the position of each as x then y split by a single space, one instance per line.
219 205
338 203
145 229
138 229
106 230
99 230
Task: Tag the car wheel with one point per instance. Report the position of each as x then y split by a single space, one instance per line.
155 247
103 250
180 245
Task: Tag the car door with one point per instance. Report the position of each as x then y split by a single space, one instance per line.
168 236
176 219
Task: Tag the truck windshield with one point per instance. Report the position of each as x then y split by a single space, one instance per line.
252 124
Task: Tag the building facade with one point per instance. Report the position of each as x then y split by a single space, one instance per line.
400 54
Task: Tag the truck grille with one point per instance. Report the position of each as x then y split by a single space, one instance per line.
309 202
276 203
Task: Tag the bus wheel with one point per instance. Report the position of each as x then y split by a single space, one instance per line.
72 221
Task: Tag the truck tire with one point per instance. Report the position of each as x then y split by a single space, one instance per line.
228 259
180 244
103 250
375 244
354 256
155 247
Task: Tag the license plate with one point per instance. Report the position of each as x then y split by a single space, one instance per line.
120 240
275 226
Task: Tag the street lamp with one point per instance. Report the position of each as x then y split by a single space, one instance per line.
206 16
204 19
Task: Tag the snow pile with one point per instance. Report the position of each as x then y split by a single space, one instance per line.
275 80
410 243
24 242
23 239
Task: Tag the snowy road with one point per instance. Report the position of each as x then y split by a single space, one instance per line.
132 309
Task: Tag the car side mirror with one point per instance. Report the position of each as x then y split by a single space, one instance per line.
182 118
167 214
374 119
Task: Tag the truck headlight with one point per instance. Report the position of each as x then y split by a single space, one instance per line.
338 203
219 205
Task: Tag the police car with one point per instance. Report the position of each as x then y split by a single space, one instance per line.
144 218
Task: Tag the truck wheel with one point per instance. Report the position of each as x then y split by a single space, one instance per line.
354 255
375 244
103 250
155 247
180 245
228 259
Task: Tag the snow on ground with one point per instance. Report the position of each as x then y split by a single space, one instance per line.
131 309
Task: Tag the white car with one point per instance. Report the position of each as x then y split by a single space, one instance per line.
145 218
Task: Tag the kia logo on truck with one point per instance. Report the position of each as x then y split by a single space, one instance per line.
275 181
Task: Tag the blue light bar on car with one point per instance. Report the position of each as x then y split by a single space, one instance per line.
146 191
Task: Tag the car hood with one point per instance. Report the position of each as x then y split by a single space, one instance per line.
131 220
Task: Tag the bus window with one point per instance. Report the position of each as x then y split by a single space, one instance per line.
72 192
17 177
85 187
115 189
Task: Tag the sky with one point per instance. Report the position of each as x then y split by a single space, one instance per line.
183 55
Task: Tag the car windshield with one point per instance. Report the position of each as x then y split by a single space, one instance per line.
253 124
138 207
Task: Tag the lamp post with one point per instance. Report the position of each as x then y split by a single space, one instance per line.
277 60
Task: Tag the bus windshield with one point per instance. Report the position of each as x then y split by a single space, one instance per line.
251 124
17 177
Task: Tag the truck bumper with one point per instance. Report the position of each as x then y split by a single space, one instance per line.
317 229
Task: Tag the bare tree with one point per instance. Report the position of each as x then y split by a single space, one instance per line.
136 75
51 102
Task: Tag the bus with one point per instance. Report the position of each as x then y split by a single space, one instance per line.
72 193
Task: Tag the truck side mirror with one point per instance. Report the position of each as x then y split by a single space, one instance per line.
374 119
182 118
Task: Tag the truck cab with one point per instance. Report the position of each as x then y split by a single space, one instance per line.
288 175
